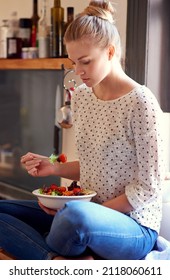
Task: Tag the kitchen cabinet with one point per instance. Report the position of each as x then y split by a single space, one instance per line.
31 91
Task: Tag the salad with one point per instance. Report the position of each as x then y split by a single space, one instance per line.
62 158
72 190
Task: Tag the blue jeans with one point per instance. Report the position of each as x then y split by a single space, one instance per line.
30 234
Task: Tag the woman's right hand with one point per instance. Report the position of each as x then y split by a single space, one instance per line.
38 165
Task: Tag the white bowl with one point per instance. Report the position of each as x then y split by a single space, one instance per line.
56 202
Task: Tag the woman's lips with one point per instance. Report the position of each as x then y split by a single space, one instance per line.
85 79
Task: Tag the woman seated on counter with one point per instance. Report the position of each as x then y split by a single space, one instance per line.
117 131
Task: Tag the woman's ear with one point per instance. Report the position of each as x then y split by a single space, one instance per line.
111 52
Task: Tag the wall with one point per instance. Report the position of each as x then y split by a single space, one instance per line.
157 70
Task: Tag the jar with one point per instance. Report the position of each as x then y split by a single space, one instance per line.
33 53
25 52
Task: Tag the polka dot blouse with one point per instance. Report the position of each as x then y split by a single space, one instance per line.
120 149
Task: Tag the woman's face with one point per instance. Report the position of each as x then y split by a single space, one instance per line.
91 63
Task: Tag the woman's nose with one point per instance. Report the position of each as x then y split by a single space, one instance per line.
78 71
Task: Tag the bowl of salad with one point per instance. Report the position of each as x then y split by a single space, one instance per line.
55 197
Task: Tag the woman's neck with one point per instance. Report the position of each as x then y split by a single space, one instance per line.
115 85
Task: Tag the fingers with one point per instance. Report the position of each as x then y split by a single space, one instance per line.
28 156
47 210
30 161
31 164
36 165
33 168
33 172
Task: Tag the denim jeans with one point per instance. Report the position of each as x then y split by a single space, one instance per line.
30 234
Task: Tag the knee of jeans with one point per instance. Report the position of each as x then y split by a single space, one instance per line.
77 209
74 213
68 225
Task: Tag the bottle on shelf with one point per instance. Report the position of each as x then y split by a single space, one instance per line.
3 38
70 15
34 24
43 30
57 30
14 43
25 32
70 18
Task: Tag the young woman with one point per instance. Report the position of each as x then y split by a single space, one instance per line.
116 122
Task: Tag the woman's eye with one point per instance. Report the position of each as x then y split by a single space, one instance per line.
86 62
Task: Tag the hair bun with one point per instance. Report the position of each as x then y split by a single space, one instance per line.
102 9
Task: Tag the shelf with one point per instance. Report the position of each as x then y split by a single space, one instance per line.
33 64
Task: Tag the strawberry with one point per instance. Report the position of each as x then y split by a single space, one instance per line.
54 187
62 158
76 191
62 189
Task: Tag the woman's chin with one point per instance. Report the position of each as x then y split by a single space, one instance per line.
88 83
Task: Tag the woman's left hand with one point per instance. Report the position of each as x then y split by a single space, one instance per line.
47 210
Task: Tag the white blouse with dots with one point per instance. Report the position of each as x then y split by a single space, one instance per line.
120 149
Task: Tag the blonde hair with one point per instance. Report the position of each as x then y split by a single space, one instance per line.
96 23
